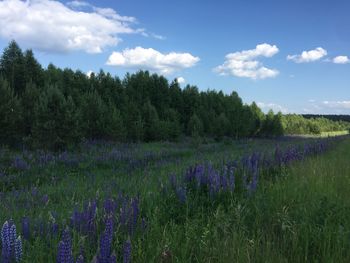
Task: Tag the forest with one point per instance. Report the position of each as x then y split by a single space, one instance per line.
53 108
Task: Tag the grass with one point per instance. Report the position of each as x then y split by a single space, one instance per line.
323 134
302 216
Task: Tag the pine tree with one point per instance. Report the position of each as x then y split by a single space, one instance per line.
12 67
151 122
56 125
10 115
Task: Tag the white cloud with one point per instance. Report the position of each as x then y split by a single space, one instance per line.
272 106
328 107
181 80
150 59
89 73
341 60
308 56
52 26
243 63
345 104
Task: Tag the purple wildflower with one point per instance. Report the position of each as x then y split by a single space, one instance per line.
106 242
18 249
26 228
127 252
65 248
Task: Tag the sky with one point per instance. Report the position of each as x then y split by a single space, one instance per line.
287 55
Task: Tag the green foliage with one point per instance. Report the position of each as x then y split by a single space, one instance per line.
195 126
56 124
10 115
151 122
297 124
94 117
12 67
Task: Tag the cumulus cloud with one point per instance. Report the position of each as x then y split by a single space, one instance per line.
181 80
272 106
341 60
49 25
244 63
308 56
151 59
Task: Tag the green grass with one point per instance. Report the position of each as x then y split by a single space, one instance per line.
303 216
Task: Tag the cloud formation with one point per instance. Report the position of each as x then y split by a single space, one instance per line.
181 80
244 63
151 59
308 56
49 25
345 104
328 107
341 60
272 106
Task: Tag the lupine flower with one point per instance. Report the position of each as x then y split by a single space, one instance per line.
20 164
18 249
80 259
65 248
26 228
45 199
106 243
5 241
11 244
127 252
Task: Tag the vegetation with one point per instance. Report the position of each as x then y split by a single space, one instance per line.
166 202
297 124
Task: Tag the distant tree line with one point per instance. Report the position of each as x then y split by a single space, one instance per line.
297 124
53 108
332 117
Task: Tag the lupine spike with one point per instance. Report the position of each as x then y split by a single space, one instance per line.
127 252
18 249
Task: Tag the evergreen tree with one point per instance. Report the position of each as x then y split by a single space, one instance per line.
56 120
222 126
115 127
12 67
195 126
10 115
29 99
33 71
151 122
134 123
94 117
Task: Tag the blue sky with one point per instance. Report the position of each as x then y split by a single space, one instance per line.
291 55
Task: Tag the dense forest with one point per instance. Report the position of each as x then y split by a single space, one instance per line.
53 108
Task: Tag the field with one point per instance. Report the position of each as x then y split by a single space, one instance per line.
256 200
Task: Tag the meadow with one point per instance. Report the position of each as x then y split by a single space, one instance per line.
256 200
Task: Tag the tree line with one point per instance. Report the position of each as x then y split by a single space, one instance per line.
297 124
332 117
54 108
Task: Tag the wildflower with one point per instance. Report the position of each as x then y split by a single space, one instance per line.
65 248
127 252
18 249
25 228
